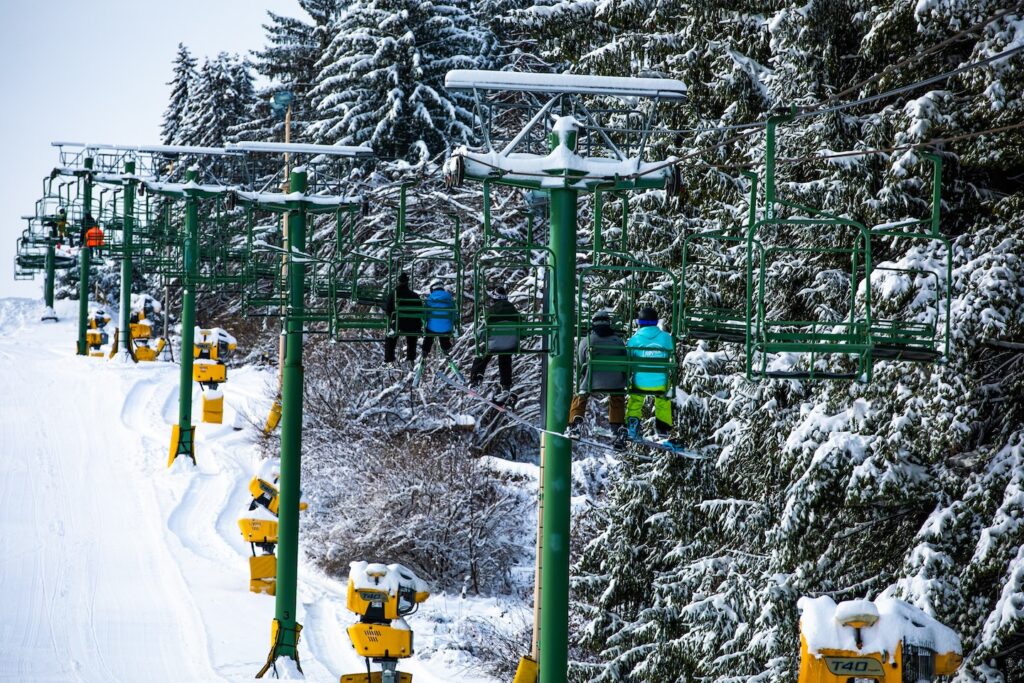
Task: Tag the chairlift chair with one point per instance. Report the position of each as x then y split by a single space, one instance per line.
623 290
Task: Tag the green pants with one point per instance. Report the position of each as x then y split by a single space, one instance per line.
662 407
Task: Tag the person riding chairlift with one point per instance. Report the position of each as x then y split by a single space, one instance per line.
92 234
408 325
604 343
650 342
502 343
441 321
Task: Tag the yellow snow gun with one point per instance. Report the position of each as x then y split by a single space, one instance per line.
887 641
96 334
260 531
382 596
212 347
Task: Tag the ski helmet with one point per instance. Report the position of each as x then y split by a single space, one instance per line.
648 316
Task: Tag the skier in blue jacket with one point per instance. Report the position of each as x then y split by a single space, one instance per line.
649 342
440 322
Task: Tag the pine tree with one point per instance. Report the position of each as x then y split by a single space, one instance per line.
181 84
223 98
908 485
294 46
381 80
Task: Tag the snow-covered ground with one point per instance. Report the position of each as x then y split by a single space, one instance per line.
116 568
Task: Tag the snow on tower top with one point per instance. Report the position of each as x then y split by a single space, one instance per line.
822 626
616 86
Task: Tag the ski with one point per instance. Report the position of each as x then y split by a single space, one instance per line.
448 361
518 419
650 443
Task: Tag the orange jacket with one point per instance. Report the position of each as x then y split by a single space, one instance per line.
94 237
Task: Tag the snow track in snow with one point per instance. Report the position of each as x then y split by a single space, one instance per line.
116 568
91 590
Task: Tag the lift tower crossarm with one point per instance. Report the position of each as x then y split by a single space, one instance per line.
664 89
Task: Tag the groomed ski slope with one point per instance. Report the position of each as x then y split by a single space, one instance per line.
115 568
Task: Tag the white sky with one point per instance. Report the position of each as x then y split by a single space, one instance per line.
96 71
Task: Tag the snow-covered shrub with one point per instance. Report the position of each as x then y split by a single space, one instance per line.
417 499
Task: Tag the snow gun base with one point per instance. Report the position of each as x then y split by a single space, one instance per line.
377 677
527 671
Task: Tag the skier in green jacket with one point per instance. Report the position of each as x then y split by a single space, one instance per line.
649 342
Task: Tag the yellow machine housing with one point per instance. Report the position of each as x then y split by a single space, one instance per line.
209 373
213 344
146 353
258 530
141 330
381 604
98 319
262 532
266 494
382 595
274 418
381 640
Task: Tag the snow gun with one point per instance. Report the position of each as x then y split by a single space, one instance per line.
382 596
212 347
96 336
140 329
888 641
259 528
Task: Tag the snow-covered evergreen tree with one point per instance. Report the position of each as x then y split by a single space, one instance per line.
907 485
288 62
381 80
181 85
223 97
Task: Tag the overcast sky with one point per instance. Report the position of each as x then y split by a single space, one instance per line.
96 71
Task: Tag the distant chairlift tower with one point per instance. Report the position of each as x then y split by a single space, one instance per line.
565 148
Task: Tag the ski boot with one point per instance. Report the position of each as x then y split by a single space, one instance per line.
633 428
621 437
505 397
575 429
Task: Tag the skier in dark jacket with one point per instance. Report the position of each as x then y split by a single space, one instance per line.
502 342
605 344
401 324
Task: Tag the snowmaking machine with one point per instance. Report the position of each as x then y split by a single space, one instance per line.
382 596
145 347
211 349
885 641
259 528
96 335
141 332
